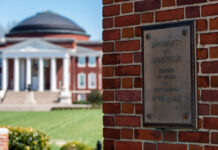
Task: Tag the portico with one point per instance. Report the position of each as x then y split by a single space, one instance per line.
29 63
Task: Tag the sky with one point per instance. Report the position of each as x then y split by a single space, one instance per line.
86 13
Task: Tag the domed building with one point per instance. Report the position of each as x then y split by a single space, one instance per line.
51 56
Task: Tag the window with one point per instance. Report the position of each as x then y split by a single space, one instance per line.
92 61
81 97
81 81
92 80
81 61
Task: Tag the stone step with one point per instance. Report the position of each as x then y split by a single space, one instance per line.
24 97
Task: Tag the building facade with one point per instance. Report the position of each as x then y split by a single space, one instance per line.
48 52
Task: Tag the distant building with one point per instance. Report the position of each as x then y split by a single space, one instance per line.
50 53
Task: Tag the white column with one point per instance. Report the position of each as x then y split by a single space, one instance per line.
4 74
16 74
41 74
66 73
28 72
53 75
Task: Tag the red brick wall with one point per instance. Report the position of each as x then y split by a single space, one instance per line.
75 70
123 129
75 36
4 139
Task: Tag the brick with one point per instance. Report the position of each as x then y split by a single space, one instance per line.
108 47
127 108
131 45
108 120
111 59
111 108
214 23
214 81
138 57
127 33
147 17
202 53
126 133
107 1
209 10
195 147
214 52
209 67
127 70
214 137
203 109
200 123
167 3
127 121
138 83
209 38
192 12
107 23
214 109
203 81
189 2
211 148
138 31
150 146
111 35
170 136
129 20
165 146
120 145
153 135
127 8
111 133
198 95
147 5
111 10
168 15
120 0
108 96
108 145
138 108
126 58
210 123
201 25
108 71
126 83
210 95
111 83
132 95
198 137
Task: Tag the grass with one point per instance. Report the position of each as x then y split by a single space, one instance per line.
84 125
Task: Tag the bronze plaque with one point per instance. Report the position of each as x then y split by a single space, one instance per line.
169 75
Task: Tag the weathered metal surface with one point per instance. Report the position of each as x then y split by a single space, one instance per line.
169 75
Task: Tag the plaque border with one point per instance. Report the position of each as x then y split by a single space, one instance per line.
191 24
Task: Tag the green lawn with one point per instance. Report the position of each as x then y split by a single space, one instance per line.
83 125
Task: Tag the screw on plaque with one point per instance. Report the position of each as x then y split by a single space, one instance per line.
184 32
185 116
148 36
149 116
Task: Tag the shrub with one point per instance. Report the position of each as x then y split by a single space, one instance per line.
81 102
95 97
75 146
27 139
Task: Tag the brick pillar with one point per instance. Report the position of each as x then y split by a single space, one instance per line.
122 74
4 141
